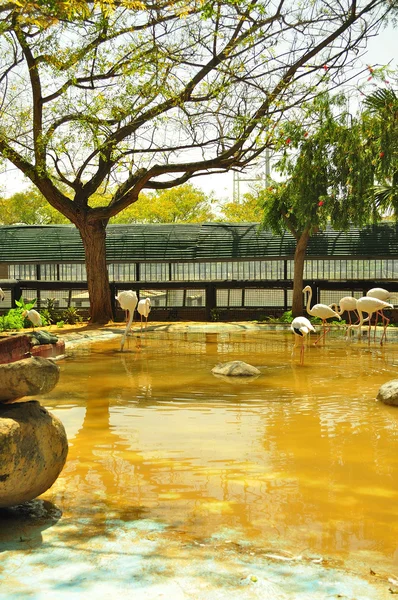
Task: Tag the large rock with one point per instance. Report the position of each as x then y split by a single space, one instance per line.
27 377
33 450
235 368
14 347
388 393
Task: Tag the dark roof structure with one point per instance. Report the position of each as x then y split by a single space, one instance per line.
191 242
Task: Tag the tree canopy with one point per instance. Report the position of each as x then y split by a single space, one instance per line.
324 178
131 96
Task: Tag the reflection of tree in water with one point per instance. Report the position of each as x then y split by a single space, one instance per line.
329 453
299 475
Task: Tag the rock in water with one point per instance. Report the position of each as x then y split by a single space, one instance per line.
43 337
388 393
33 451
235 368
27 377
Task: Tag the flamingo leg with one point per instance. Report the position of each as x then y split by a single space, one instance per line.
302 353
376 319
386 322
128 326
370 329
323 334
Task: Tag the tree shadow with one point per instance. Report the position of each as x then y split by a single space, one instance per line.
21 526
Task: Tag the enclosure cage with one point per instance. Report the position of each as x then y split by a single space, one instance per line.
207 271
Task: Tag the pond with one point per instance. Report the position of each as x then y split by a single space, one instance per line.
284 486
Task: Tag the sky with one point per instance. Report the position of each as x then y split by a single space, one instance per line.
381 50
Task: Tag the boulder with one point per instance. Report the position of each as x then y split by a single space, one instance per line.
14 347
33 450
27 377
235 368
42 337
388 393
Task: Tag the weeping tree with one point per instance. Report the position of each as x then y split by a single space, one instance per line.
327 174
125 96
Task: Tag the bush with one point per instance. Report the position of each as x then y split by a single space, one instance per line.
71 316
12 320
287 317
51 313
60 324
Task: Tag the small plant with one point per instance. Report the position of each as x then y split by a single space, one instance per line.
22 306
60 324
46 317
287 317
271 320
215 314
50 312
71 316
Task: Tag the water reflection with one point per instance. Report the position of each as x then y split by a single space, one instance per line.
300 455
21 526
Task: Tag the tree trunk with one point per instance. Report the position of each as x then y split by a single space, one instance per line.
299 258
93 236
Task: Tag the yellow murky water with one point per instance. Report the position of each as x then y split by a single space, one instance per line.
301 456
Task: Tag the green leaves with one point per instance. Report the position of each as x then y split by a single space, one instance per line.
25 306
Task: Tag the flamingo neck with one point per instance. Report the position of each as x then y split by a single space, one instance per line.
309 298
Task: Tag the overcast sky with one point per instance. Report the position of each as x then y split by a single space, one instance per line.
382 50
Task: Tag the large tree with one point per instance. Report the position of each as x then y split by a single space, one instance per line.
139 95
327 175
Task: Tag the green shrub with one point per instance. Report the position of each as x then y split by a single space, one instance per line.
287 317
52 314
60 324
12 320
45 317
71 316
215 314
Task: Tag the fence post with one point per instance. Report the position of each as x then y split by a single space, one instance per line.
15 294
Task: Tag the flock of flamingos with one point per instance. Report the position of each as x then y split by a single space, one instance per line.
374 302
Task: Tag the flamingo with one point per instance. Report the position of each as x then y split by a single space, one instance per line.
33 316
128 301
144 308
371 305
301 327
381 294
322 311
349 304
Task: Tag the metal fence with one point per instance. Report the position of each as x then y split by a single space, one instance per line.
341 269
190 300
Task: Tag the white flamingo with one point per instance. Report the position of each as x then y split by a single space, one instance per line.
322 311
301 327
128 301
144 308
381 294
347 304
370 305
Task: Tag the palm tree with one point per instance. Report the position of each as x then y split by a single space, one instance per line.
382 108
